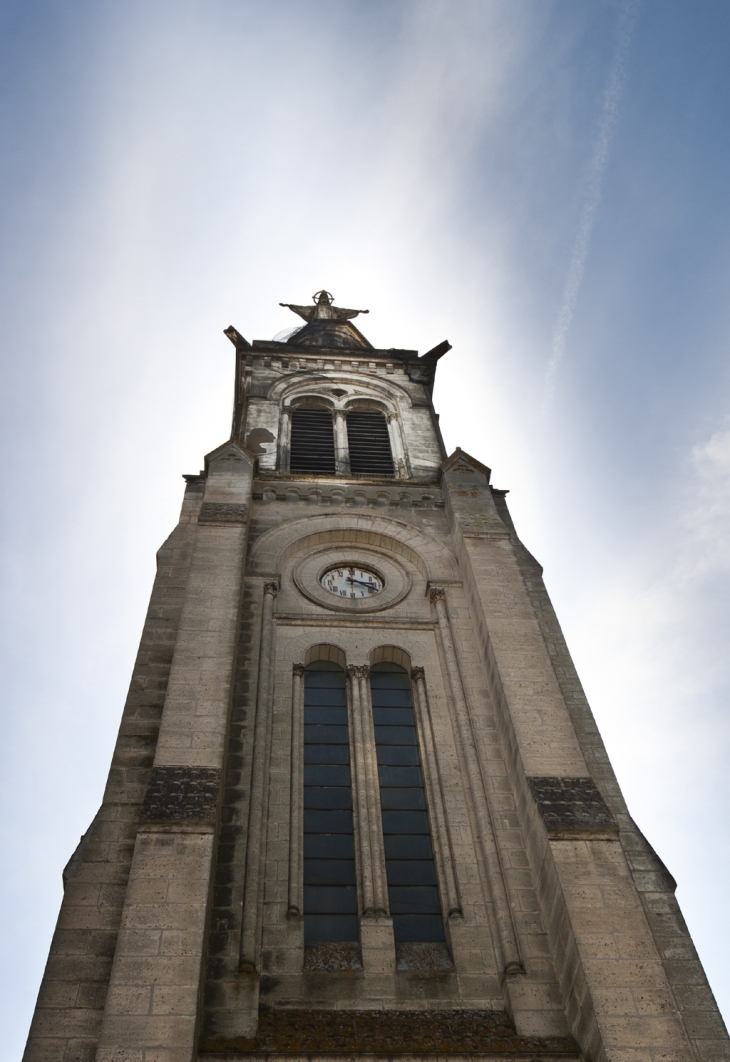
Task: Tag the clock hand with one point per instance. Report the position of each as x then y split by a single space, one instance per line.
361 583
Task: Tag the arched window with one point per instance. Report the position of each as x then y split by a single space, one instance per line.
412 887
330 893
369 444
312 442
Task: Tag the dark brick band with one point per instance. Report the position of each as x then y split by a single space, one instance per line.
572 806
222 513
182 794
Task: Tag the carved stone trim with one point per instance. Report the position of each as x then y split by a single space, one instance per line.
572 806
271 588
390 1033
182 794
298 669
437 593
418 674
222 513
358 670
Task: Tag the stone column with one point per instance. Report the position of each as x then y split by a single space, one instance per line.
507 948
152 1003
247 987
397 446
376 925
258 803
296 816
432 777
342 445
284 446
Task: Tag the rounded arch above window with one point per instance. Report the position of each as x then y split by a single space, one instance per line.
325 653
388 393
311 402
368 405
390 655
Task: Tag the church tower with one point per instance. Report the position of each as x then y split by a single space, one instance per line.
358 805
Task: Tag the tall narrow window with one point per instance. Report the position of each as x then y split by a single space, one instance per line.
412 889
369 444
312 442
330 896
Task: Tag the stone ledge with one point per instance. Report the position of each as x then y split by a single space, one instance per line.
573 807
328 1033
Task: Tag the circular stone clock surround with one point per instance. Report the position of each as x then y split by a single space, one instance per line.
310 569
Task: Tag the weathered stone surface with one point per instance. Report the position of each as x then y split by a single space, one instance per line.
332 957
393 1032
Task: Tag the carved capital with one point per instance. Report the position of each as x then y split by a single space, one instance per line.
358 670
437 594
418 674
298 669
272 589
391 415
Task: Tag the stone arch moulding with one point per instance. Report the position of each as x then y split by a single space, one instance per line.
325 651
433 559
391 654
306 400
366 402
292 387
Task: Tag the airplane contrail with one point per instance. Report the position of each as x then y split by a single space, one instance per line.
596 171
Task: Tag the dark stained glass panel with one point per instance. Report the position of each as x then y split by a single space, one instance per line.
412 886
330 894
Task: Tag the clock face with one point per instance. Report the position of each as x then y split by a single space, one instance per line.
352 583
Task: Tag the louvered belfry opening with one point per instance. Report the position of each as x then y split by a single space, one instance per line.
369 444
312 442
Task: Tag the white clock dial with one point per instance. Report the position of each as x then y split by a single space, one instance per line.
352 583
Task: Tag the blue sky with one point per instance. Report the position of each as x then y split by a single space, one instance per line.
522 177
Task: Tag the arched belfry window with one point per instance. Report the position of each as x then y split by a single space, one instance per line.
312 442
368 441
330 892
412 886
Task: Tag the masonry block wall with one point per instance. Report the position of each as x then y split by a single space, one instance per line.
182 931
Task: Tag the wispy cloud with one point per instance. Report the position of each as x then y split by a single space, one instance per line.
596 172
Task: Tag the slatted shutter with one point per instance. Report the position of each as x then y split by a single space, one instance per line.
369 444
312 442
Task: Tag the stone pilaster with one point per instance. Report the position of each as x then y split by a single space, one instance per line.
153 999
506 944
597 928
376 926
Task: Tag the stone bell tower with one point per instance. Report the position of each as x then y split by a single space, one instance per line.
358 804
